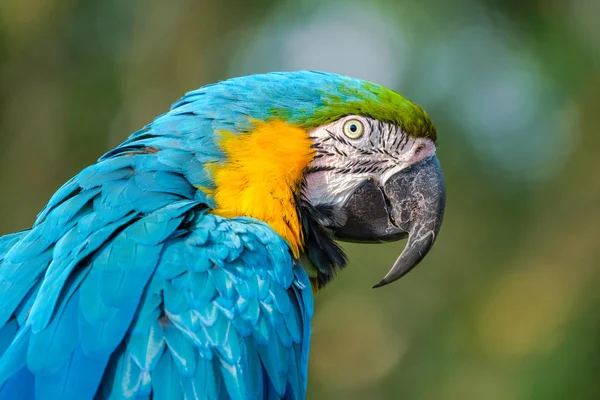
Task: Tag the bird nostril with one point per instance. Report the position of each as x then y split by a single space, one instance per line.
374 180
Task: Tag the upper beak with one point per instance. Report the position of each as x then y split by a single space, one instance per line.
411 202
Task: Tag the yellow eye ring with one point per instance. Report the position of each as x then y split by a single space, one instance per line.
353 128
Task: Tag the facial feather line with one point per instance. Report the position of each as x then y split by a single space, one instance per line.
342 163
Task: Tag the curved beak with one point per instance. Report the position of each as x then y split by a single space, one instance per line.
410 203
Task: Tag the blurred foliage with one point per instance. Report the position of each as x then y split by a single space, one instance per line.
506 305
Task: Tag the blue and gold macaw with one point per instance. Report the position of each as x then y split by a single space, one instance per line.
182 264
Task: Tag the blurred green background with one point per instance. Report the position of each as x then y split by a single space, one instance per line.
507 304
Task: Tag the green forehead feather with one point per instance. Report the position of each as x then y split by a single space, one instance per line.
348 96
379 103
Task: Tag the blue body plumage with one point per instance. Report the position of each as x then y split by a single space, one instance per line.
164 272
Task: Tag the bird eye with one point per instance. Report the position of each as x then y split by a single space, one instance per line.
353 128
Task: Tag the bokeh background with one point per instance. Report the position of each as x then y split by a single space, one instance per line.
507 305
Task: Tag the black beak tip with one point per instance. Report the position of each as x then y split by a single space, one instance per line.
380 284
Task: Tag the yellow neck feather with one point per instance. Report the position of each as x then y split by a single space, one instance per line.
262 173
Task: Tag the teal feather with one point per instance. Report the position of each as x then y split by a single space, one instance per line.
16 280
62 194
15 356
7 334
207 382
182 350
51 348
166 380
21 386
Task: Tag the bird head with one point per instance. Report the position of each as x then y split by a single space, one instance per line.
319 157
375 182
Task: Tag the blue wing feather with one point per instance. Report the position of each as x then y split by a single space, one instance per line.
218 310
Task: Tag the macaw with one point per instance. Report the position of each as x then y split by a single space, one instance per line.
182 264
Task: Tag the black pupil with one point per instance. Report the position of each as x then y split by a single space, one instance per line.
353 128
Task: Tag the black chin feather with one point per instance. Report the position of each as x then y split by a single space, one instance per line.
320 249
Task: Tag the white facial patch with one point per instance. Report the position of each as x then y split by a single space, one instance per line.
343 161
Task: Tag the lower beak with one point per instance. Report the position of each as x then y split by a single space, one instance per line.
410 203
